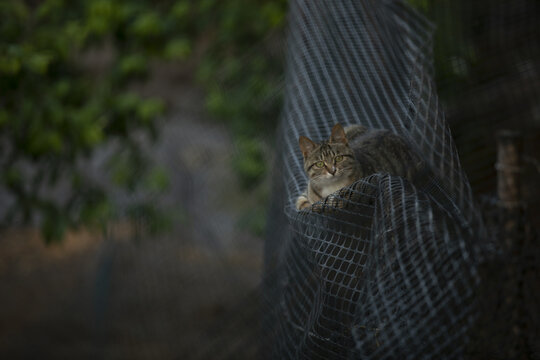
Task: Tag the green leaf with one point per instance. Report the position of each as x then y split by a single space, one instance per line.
215 102
134 64
93 134
54 226
4 117
53 142
157 180
206 5
76 34
254 220
150 108
12 176
420 4
97 211
39 62
180 9
274 14
9 65
62 88
147 24
122 172
127 11
154 219
177 49
49 8
206 70
97 25
43 142
102 16
127 102
249 162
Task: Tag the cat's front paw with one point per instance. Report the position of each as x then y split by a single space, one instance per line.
333 200
302 203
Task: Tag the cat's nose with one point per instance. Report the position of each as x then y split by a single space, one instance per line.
332 170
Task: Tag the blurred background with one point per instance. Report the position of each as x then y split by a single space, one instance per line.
136 152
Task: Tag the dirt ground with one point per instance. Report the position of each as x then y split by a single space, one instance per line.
91 298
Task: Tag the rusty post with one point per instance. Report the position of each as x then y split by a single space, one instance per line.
511 211
509 168
509 187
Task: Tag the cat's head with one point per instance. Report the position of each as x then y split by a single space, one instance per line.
330 159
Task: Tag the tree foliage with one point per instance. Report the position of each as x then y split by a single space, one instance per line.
57 109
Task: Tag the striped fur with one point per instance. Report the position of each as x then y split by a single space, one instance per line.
351 154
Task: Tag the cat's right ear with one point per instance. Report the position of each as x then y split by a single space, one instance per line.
306 145
338 135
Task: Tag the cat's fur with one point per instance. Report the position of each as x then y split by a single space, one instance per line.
359 152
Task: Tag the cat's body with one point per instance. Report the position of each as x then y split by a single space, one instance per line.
351 154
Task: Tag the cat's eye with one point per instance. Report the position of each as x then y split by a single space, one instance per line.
338 158
319 164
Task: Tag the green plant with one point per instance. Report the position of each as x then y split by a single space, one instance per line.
242 72
455 54
56 108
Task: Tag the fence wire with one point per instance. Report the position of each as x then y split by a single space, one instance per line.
387 268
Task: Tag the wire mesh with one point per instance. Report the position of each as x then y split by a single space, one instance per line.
385 268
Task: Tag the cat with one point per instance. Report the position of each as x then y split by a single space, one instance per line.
350 154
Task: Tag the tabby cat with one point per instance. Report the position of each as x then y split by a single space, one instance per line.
351 154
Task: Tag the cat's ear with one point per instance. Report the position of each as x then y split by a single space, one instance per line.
338 135
306 145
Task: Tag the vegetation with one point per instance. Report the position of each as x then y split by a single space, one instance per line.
57 109
455 54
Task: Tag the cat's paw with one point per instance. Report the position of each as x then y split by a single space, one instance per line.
328 204
334 200
302 203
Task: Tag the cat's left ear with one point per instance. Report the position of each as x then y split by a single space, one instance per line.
338 135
